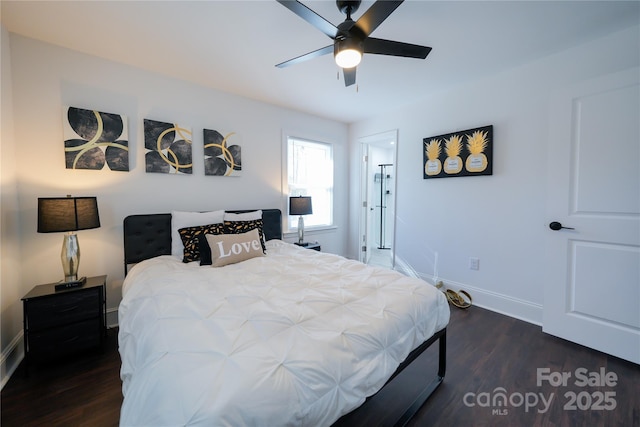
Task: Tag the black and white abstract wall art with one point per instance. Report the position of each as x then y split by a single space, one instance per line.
95 140
167 148
222 154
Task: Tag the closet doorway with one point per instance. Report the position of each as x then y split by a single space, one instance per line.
378 198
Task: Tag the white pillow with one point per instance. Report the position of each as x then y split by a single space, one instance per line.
246 216
182 219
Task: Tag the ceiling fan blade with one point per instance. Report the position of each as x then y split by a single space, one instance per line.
349 76
311 17
306 56
393 48
376 14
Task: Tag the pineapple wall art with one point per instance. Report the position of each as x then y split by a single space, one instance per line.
463 153
453 148
432 149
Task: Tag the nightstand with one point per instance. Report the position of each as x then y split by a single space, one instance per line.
314 246
58 323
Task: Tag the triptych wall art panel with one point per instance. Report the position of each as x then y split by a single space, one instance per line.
95 140
167 148
222 154
464 153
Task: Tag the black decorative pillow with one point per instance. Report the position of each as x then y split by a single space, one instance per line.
237 227
191 239
205 249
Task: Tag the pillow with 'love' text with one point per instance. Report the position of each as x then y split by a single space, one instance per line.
232 248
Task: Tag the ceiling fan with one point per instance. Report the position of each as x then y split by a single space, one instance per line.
351 38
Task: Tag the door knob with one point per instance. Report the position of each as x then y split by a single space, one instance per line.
555 226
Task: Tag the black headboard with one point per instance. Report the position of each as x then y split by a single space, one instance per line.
148 236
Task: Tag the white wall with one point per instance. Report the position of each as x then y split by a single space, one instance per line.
46 78
500 218
11 289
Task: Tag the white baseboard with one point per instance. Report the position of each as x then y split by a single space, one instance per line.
11 358
499 303
112 318
14 353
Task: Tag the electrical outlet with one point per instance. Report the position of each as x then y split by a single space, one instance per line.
474 263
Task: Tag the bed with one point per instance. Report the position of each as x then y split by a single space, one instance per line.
289 336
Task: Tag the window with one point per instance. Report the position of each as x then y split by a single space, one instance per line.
310 173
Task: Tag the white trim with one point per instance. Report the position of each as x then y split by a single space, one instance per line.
284 177
11 358
14 353
112 318
403 267
499 303
314 230
493 301
504 304
375 141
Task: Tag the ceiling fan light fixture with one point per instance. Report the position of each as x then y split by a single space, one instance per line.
350 37
348 53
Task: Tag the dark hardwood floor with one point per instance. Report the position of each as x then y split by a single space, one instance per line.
488 356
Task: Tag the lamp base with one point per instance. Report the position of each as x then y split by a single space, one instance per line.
300 230
62 285
70 257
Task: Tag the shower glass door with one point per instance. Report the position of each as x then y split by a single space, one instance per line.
382 191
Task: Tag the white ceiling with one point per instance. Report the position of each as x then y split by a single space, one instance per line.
233 46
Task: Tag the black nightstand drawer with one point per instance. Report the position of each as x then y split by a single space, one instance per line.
61 322
65 339
54 311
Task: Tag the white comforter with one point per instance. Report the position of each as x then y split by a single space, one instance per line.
294 338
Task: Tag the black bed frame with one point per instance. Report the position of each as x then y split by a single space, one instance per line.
149 235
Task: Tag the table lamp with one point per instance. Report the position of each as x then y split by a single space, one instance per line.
68 214
300 205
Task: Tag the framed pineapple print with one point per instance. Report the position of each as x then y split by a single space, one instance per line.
463 153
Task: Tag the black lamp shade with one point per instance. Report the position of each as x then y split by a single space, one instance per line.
300 205
56 214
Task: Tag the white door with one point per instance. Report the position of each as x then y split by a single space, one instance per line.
592 291
364 202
